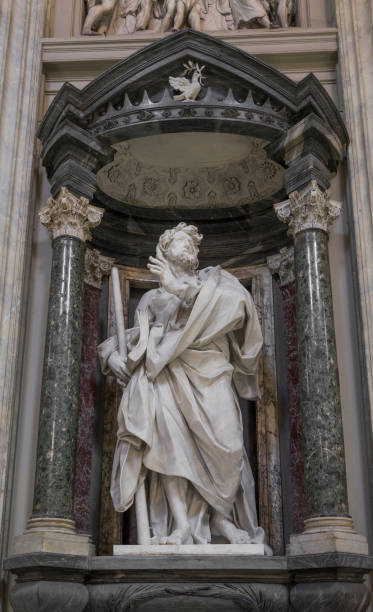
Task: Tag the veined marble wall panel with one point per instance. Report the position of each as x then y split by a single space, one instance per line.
20 32
36 324
355 22
348 361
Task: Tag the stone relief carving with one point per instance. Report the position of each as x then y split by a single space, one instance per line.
69 215
96 266
249 597
195 346
129 16
134 182
189 88
283 264
309 209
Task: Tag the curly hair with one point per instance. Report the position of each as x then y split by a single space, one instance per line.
166 238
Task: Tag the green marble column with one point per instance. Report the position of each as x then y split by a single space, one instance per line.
59 393
69 219
309 214
318 375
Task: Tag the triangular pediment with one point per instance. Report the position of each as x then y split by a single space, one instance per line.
232 78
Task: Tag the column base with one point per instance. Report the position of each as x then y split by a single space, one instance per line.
53 535
328 534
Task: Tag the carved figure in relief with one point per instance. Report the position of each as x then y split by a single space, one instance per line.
137 14
282 12
98 14
194 349
129 16
180 13
189 88
245 12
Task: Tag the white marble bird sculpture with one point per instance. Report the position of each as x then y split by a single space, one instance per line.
189 88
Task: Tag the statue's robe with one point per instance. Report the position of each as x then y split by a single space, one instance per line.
243 11
179 415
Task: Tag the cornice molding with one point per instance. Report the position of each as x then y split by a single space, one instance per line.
281 48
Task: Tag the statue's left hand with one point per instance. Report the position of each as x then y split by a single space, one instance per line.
118 366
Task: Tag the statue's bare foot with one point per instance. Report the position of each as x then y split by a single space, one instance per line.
200 540
222 527
179 537
268 551
155 540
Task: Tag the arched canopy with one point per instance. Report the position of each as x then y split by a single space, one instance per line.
86 136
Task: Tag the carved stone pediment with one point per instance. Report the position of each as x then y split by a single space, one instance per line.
240 94
240 97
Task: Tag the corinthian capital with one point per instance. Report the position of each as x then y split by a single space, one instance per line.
96 266
69 215
309 209
283 265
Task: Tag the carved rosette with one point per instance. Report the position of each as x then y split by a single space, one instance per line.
96 267
69 215
309 209
283 265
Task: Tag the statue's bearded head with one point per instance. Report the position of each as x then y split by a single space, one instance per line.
180 245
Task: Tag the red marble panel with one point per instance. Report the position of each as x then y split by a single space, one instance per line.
294 408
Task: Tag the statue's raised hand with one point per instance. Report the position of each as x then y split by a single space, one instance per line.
160 267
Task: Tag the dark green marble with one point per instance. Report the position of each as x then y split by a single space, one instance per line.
53 495
318 372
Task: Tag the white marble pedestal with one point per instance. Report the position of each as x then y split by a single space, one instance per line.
189 549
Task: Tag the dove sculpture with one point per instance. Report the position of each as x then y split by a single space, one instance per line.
189 88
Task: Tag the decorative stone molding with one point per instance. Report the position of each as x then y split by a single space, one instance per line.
70 216
96 266
309 209
283 265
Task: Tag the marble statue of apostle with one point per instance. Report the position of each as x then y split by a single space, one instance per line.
193 350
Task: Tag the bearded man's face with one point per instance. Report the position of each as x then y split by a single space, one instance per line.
182 251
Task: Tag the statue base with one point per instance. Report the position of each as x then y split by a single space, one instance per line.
189 549
192 583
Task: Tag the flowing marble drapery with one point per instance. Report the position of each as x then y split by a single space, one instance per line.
179 415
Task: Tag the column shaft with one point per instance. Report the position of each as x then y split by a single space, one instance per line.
87 400
60 388
295 419
320 398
